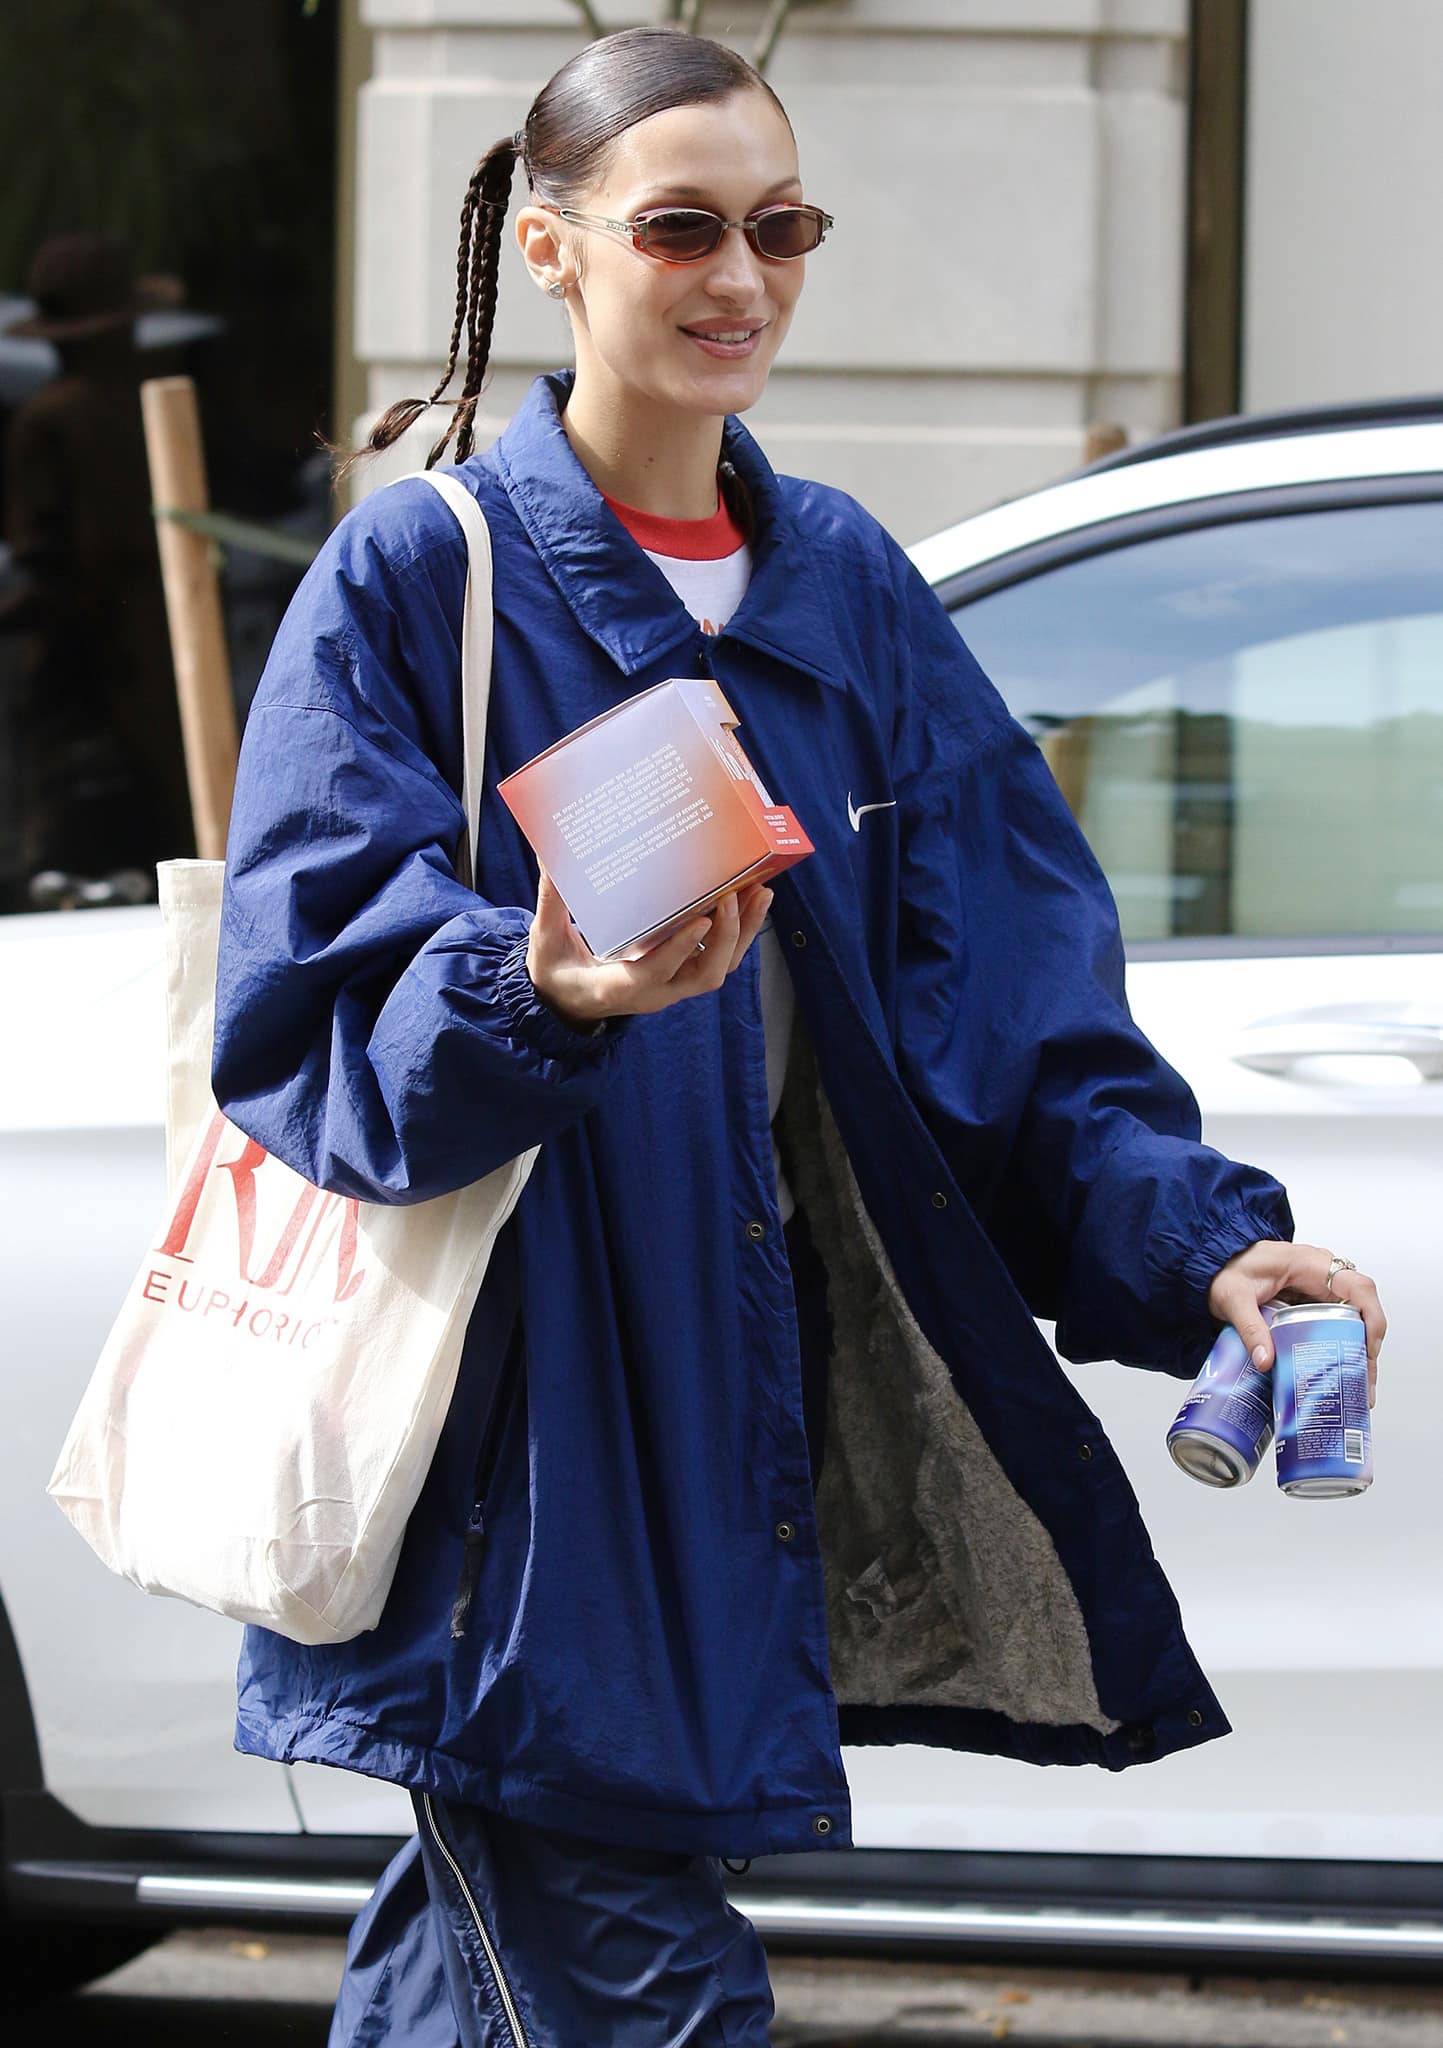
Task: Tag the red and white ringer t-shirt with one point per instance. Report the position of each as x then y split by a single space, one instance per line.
706 561
708 564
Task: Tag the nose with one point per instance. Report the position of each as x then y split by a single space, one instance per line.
735 270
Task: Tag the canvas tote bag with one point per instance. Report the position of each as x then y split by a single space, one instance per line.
265 1410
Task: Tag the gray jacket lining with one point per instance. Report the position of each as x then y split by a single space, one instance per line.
943 1588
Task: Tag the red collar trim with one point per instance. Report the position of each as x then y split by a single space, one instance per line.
684 540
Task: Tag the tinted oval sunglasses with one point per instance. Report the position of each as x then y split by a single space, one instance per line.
686 234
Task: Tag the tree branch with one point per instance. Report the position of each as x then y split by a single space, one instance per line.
773 22
589 15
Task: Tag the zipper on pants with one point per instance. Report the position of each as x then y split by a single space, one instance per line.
498 1975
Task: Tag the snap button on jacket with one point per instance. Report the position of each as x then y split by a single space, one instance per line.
976 1129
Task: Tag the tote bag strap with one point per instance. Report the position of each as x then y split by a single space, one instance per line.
476 634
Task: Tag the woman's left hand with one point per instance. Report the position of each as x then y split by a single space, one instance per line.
1299 1271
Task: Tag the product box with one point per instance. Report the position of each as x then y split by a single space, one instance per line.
650 813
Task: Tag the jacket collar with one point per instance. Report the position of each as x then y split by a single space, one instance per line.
618 597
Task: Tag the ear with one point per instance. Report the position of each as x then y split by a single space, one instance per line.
541 247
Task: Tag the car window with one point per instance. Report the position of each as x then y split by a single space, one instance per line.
1247 719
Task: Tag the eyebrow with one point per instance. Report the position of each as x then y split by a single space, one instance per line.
696 194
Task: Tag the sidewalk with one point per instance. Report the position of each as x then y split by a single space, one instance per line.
845 2003
229 1984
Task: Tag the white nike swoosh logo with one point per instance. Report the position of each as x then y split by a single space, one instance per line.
855 814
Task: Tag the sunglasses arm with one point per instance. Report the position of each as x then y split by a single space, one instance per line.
595 220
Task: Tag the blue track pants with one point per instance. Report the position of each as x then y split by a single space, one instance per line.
487 1932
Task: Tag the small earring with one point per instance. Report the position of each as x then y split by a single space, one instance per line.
556 289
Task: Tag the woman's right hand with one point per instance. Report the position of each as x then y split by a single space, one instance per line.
582 990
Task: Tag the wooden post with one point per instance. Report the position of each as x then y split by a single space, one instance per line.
1103 437
193 608
1067 750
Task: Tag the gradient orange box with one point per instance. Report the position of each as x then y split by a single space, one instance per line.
650 813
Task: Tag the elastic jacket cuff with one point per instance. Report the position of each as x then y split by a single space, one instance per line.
537 1025
1227 1234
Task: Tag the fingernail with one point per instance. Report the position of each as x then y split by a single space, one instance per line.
1260 1355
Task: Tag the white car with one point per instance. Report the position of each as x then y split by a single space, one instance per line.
1230 644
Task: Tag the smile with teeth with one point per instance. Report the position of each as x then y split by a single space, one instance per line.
725 340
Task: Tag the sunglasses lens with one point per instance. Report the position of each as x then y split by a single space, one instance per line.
788 231
682 235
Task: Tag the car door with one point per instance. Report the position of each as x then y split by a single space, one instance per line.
1244 707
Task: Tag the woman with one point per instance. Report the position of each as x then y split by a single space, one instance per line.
637 1611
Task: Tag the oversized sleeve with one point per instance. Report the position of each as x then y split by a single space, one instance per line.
376 1027
1079 1144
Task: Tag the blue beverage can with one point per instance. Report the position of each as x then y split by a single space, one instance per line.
1226 1420
1325 1439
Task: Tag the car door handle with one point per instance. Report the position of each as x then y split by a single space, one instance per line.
1343 1031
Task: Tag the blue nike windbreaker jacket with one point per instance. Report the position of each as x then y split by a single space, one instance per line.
660 1637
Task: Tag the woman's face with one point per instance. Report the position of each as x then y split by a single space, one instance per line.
697 336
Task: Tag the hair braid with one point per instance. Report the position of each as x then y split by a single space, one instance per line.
493 196
478 251
469 205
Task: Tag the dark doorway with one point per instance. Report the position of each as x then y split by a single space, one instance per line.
198 141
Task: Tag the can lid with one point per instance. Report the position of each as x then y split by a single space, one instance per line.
1316 1311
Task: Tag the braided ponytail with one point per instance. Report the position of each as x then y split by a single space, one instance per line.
477 279
483 212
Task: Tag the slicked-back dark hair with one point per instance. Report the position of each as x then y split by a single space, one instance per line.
563 146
